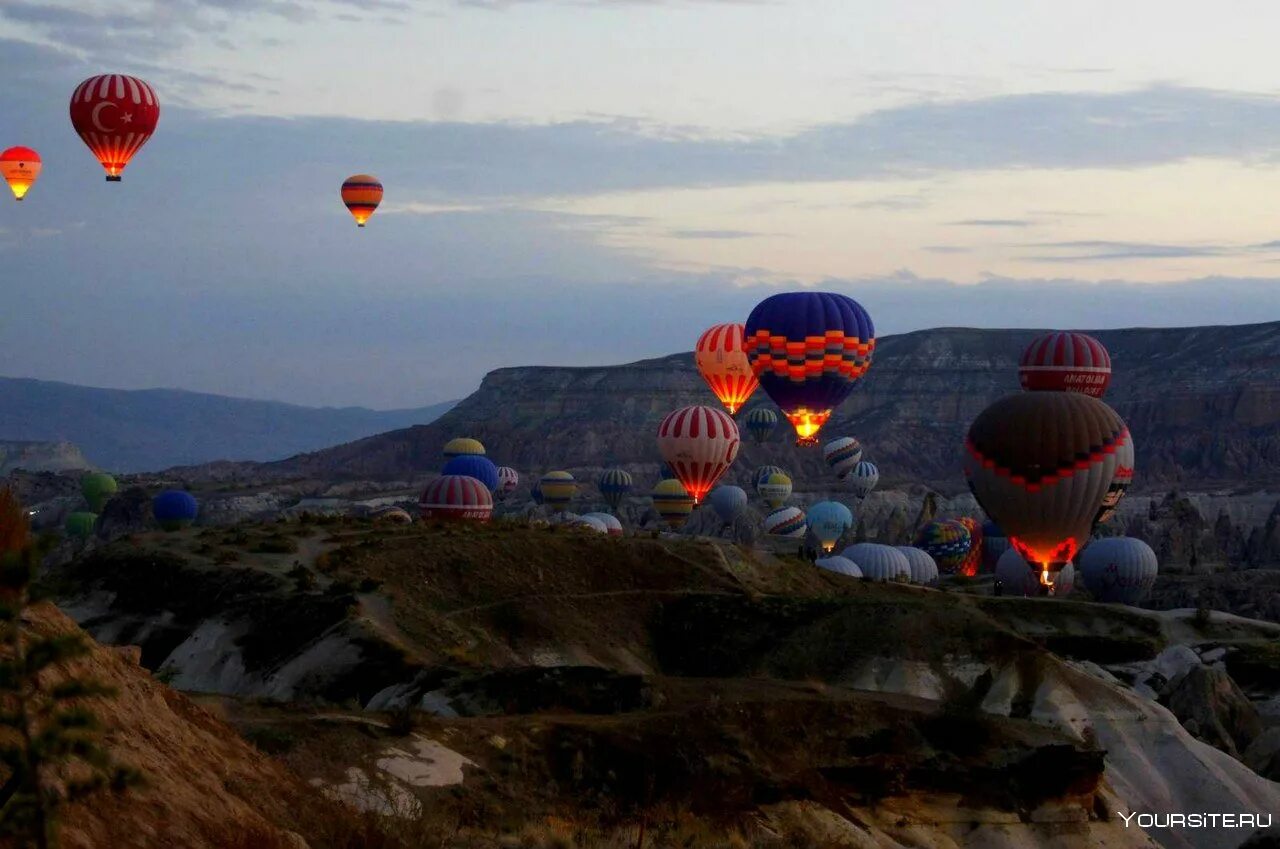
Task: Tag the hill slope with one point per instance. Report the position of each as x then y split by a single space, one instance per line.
150 429
1203 403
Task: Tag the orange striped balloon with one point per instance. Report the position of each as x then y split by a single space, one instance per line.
722 361
361 193
20 166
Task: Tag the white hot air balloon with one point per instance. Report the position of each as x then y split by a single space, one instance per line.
1118 569
879 562
923 568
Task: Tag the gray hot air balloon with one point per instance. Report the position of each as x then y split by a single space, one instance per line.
1118 569
863 478
879 562
728 502
1018 578
923 568
839 565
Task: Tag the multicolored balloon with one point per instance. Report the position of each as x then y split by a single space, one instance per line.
761 422
557 489
361 193
828 521
20 167
474 466
787 522
508 480
614 484
175 509
1042 464
722 362
763 472
462 445
115 115
456 498
1066 362
842 455
808 349
863 478
774 489
973 559
672 501
699 444
947 542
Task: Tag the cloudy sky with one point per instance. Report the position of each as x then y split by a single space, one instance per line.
594 181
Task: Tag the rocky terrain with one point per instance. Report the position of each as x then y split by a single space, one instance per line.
139 430
1203 404
521 685
41 457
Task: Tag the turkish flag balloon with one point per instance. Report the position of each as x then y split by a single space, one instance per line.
114 115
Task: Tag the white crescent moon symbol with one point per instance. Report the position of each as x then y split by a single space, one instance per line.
97 123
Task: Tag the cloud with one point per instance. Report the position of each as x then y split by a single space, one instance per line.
993 222
712 234
946 249
1095 250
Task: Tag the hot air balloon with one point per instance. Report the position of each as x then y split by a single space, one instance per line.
728 502
558 489
80 525
924 570
536 493
699 444
174 509
1064 361
614 484
97 489
839 565
761 422
1019 579
1041 464
994 544
842 455
863 478
456 498
462 445
787 522
391 515
775 489
1119 569
361 193
591 523
672 501
973 558
508 480
611 523
474 466
808 349
20 167
723 364
762 473
114 115
946 541
828 521
879 562
1119 484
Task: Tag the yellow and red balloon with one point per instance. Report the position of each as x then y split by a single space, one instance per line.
361 193
20 167
721 358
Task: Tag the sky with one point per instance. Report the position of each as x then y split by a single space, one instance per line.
585 182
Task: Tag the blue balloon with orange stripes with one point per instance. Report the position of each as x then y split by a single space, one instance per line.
809 349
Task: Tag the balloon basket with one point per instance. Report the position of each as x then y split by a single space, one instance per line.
113 178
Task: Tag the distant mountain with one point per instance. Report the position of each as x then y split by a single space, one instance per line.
1203 405
150 429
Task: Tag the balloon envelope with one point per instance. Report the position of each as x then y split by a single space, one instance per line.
614 484
774 489
863 478
924 570
174 509
839 565
456 498
461 445
20 167
558 489
611 523
722 361
808 349
474 466
1118 569
672 501
699 444
761 422
828 521
1066 362
786 522
508 480
842 455
115 115
879 562
1020 579
728 502
81 525
361 193
947 542
97 488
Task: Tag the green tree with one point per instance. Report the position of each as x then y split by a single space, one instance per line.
49 739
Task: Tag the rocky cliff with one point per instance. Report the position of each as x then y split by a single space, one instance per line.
1203 404
41 457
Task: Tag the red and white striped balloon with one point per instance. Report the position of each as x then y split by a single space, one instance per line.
698 444
114 115
456 497
1066 362
722 361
